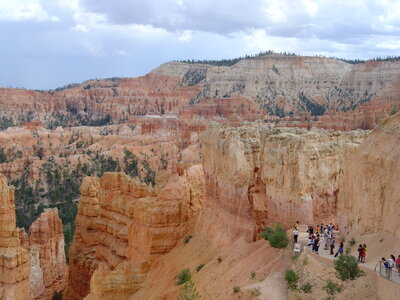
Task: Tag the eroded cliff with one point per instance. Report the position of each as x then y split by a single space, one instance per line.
123 225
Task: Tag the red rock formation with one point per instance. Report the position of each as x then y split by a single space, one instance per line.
124 225
46 240
14 259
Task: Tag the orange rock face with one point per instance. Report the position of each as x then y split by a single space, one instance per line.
14 259
46 241
123 226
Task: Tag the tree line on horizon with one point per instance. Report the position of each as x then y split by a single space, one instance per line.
233 61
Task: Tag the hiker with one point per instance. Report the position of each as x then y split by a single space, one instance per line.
390 264
326 238
363 253
360 250
340 250
317 229
316 244
332 245
398 265
296 225
295 234
321 229
310 230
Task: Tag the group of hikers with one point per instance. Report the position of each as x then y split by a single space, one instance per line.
390 264
324 233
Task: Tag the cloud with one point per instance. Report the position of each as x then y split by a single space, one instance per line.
102 38
23 10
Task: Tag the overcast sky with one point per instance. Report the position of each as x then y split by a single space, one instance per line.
45 44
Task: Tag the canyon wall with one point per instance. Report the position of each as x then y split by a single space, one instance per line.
256 176
353 96
370 187
123 225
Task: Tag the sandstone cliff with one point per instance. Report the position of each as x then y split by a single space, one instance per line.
257 176
49 271
123 226
14 259
370 189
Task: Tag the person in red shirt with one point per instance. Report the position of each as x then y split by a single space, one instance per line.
398 264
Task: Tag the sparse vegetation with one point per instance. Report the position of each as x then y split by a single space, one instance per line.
292 279
352 242
332 288
276 236
219 259
306 288
253 275
255 291
183 277
199 267
188 291
236 289
187 239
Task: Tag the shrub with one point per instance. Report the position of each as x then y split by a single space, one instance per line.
236 289
187 239
255 291
188 292
199 267
292 279
219 259
331 288
276 236
253 275
183 276
352 242
306 288
346 267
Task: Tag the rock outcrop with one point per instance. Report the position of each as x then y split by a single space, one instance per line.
31 267
257 176
47 255
14 259
123 225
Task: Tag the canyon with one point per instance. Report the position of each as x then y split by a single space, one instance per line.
122 183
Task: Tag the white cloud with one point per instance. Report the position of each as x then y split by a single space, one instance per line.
121 52
186 36
23 10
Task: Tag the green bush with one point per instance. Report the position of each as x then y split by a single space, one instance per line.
346 267
199 267
236 289
253 275
219 259
183 276
352 242
292 279
276 236
306 288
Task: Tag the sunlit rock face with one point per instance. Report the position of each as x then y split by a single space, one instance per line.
14 259
123 225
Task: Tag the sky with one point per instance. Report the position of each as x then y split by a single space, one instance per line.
45 44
